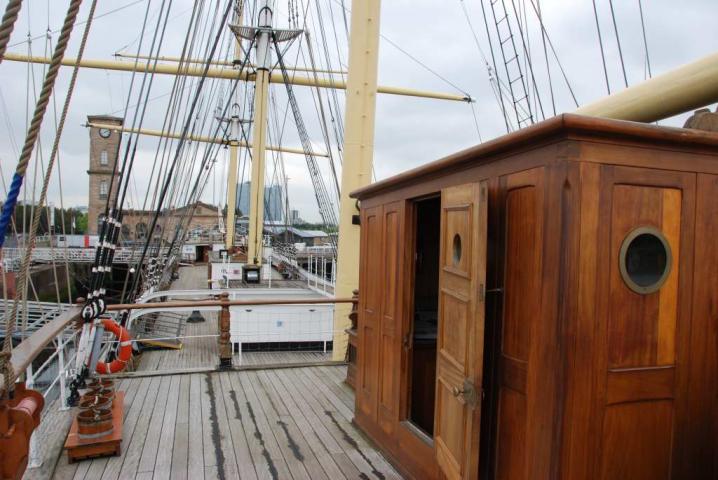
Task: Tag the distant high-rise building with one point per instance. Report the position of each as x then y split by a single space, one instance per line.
294 217
273 201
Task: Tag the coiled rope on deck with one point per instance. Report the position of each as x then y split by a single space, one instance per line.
22 164
8 24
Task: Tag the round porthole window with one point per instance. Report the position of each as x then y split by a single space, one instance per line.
457 249
645 260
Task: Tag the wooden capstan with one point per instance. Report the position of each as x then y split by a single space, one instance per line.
19 417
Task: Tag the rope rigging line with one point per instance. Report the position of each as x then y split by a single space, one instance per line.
183 138
645 40
618 43
493 61
325 209
8 24
600 43
30 139
23 274
555 55
110 227
164 145
527 56
545 54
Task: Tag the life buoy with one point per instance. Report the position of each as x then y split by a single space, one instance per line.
125 351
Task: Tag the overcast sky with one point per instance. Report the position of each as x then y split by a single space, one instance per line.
409 131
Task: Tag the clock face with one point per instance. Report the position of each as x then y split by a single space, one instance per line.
105 132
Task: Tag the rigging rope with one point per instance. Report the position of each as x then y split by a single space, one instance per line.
320 191
645 40
8 24
30 139
24 270
618 42
600 43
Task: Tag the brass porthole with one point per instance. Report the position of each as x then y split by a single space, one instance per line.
645 260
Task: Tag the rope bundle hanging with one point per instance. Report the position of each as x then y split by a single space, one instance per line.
30 140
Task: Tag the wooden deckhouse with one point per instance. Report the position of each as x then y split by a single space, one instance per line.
544 306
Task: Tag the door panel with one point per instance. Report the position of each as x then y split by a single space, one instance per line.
390 343
645 331
369 312
523 205
461 330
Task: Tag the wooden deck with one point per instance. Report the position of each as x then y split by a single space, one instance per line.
292 423
263 423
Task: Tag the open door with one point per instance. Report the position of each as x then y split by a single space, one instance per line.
461 330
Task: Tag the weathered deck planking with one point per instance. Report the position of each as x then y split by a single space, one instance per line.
271 424
266 424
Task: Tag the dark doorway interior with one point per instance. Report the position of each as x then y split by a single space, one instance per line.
424 329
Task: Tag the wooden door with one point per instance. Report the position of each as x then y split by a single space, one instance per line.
461 330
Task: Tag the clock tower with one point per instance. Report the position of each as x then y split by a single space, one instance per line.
103 153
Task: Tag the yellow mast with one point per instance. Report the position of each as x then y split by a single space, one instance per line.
358 153
233 152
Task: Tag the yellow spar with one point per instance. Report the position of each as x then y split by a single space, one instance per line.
230 74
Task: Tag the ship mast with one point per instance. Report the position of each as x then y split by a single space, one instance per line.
233 148
358 153
259 133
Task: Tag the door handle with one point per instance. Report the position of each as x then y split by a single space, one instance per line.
467 392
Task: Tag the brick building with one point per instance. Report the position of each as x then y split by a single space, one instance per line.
135 223
103 153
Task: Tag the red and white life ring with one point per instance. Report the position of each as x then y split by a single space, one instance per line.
125 351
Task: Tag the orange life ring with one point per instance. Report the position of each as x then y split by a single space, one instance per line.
125 351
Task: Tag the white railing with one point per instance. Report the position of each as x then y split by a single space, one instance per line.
32 318
317 272
12 256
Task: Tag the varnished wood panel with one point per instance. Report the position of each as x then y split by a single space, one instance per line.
369 322
642 328
698 449
640 381
643 384
637 440
524 214
521 272
511 457
390 317
586 381
461 330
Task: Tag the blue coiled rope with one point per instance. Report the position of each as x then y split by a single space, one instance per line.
8 207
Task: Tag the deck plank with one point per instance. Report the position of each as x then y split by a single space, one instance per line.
195 463
366 459
133 448
152 440
237 433
180 442
315 439
271 411
298 420
264 435
163 461
328 439
224 445
296 442
260 457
